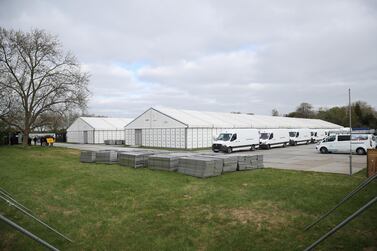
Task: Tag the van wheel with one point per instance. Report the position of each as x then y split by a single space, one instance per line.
323 150
268 146
229 150
252 148
284 145
360 151
307 142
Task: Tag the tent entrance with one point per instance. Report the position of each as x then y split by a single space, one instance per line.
138 137
85 137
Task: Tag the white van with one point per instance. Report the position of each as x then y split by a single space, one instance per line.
340 143
318 134
236 139
297 136
273 137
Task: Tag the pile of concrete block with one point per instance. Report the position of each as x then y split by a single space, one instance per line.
110 142
134 159
107 157
200 166
119 142
248 162
230 162
165 161
87 156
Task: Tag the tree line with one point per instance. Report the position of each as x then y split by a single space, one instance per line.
363 114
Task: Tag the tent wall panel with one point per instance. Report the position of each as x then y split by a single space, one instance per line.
129 137
158 137
101 135
75 137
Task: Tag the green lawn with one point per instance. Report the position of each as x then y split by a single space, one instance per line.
109 207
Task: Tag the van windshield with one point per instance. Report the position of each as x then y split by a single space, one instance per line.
224 136
292 134
264 135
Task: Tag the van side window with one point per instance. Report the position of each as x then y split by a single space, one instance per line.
234 137
297 134
344 138
271 136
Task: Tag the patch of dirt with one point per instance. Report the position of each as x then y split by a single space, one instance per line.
263 214
64 211
248 215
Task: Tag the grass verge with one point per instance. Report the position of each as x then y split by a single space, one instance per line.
109 207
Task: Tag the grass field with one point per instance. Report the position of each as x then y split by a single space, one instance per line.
109 207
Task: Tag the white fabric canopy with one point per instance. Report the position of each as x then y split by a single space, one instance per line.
232 120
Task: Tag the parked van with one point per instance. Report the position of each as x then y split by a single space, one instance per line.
273 137
297 136
340 143
236 139
318 134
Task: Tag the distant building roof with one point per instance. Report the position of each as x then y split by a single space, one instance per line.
99 123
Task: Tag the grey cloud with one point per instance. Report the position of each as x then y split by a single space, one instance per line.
248 56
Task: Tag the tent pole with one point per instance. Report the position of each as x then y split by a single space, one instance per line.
342 224
27 233
347 197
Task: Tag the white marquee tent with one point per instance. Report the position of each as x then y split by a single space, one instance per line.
93 130
172 128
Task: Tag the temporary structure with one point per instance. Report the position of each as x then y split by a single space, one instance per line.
173 128
94 130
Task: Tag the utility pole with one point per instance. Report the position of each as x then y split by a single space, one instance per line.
350 124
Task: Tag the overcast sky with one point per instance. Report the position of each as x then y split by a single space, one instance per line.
248 56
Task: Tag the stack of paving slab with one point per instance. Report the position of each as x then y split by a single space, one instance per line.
249 162
166 161
119 142
109 142
200 166
87 156
135 159
230 162
107 157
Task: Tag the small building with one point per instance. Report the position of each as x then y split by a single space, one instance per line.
186 129
95 130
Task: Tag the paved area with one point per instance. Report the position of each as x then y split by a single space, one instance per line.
95 147
302 158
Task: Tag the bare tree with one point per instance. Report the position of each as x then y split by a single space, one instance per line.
274 112
304 110
5 102
40 77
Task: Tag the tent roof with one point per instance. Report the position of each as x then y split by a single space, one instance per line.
106 123
232 120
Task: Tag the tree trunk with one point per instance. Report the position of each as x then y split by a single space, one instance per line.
25 139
